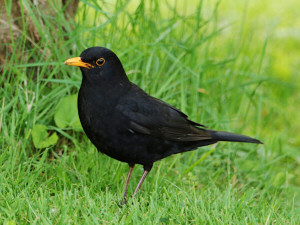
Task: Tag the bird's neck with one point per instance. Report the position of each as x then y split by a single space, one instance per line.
106 85
105 90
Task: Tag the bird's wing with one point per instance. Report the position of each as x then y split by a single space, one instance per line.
151 116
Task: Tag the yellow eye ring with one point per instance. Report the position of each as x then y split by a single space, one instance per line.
100 61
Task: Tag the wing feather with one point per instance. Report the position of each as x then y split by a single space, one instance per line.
151 116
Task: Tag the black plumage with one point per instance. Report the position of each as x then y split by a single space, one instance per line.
127 124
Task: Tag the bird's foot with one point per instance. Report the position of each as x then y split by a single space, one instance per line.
123 202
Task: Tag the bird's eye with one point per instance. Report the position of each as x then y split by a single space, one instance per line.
100 62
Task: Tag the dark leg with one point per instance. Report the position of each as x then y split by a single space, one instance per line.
126 184
146 171
127 180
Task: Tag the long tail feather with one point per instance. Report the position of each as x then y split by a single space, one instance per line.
227 136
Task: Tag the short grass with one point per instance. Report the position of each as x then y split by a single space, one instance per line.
215 70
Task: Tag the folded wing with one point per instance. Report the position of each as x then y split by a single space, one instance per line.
151 116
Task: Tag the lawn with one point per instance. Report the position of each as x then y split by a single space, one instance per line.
231 66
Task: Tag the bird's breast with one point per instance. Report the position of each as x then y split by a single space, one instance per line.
99 119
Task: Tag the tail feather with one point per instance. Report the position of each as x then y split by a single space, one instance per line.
227 136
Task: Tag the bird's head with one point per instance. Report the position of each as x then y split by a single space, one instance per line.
98 64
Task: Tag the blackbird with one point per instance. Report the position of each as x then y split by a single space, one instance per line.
127 124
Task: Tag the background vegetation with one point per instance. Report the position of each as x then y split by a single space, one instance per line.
231 65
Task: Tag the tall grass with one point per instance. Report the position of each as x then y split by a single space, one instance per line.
185 56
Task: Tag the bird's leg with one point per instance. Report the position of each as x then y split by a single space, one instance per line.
127 180
131 166
146 171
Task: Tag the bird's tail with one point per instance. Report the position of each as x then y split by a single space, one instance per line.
227 136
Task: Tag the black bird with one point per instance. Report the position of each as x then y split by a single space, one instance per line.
127 124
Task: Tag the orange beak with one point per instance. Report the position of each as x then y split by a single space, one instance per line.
76 61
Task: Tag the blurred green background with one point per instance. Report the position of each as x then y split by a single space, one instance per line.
231 65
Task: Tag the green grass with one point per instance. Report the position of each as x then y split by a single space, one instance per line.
218 70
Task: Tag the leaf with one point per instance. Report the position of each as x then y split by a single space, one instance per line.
279 179
164 220
66 115
41 138
10 222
